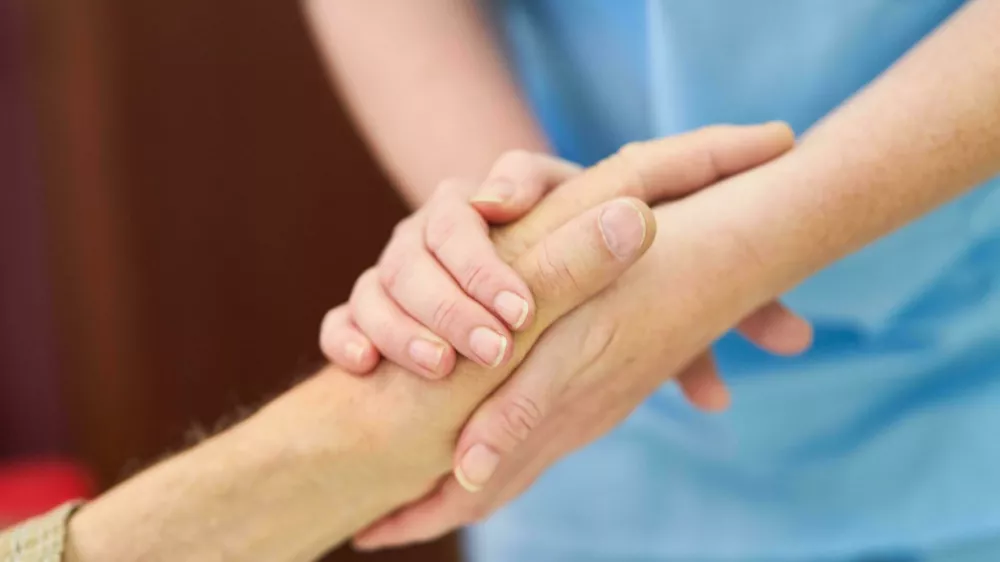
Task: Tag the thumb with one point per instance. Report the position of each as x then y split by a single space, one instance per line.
563 270
584 256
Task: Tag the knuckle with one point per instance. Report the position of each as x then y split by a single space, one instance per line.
706 157
519 415
440 230
445 315
390 272
403 236
367 277
555 274
473 276
627 162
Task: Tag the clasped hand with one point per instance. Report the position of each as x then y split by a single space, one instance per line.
444 288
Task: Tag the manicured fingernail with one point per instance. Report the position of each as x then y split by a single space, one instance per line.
427 354
488 346
495 191
512 308
623 228
477 467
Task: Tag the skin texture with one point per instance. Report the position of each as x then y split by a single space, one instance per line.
338 452
461 117
376 308
923 133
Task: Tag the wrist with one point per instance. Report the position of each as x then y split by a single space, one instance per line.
761 226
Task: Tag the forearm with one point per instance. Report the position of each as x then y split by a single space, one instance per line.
286 484
922 134
428 86
306 472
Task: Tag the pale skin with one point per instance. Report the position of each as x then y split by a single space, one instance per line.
923 133
337 452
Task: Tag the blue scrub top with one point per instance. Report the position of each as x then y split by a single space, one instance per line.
884 437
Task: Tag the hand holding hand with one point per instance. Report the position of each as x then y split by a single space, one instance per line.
595 365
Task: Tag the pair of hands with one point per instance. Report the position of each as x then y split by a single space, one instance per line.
443 285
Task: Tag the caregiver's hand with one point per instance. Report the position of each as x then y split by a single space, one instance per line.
441 285
595 365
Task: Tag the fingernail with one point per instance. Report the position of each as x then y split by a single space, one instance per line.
495 191
477 467
488 345
623 228
427 354
512 308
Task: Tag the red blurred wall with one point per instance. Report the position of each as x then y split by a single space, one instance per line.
200 200
31 419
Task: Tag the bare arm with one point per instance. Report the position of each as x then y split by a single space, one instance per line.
925 132
427 85
336 452
922 134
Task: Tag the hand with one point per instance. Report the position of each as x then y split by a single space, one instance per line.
513 187
598 363
440 285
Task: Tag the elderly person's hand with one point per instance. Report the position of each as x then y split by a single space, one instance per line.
568 391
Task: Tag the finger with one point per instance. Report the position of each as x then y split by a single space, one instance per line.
517 181
702 386
397 336
450 506
775 328
565 269
584 256
458 238
425 291
653 171
344 344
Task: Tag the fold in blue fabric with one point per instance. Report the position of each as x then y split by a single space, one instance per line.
882 438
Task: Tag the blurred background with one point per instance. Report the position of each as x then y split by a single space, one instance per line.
181 199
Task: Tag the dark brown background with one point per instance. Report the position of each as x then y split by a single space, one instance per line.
186 200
